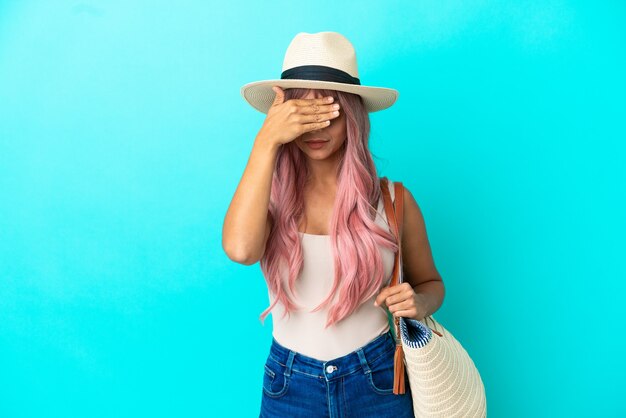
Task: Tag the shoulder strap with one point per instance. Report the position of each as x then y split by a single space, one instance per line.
396 226
395 218
398 203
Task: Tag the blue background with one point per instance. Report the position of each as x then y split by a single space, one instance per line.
123 136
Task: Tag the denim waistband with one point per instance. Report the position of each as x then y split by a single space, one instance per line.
359 359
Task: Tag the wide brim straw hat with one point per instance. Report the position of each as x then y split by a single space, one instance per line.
323 60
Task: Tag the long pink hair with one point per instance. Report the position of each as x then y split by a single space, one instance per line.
354 234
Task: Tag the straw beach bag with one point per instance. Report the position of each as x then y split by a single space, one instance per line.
443 379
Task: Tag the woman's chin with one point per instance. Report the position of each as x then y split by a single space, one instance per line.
318 155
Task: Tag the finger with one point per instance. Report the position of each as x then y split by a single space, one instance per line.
382 295
395 289
316 125
314 108
280 96
391 291
318 117
404 313
400 306
309 102
399 297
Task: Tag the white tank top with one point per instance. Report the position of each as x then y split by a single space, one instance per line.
304 331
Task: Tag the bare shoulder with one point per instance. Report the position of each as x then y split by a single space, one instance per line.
412 214
412 211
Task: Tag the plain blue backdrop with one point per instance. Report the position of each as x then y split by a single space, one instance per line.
123 136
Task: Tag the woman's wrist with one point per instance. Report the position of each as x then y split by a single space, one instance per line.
266 144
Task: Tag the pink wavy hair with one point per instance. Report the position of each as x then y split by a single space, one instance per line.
354 234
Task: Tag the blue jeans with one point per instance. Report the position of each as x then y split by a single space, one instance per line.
358 384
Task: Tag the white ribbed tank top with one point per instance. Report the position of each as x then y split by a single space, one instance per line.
304 331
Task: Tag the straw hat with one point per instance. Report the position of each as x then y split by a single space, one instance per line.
323 60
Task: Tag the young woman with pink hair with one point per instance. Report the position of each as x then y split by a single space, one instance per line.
309 208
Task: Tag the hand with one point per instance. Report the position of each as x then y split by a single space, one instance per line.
402 301
287 120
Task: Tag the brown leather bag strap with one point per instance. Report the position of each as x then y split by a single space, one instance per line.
399 203
395 218
396 227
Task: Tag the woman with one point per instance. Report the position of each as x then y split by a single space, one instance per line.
309 207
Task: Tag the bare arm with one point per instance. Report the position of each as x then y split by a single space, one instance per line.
247 223
422 290
417 259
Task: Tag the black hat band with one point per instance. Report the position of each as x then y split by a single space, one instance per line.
320 73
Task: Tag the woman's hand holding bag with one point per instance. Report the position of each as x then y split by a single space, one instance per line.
443 378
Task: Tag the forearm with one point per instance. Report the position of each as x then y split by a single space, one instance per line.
430 294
